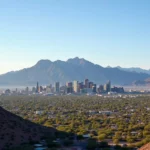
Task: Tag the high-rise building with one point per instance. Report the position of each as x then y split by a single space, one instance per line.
48 89
90 85
75 86
69 88
86 83
34 90
80 86
41 89
57 87
94 88
107 86
27 90
69 84
50 86
100 89
37 88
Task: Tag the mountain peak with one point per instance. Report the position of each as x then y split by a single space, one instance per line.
108 67
43 63
78 61
75 59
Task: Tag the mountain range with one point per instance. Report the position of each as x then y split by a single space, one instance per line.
133 69
46 72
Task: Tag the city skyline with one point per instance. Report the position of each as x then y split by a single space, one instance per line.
108 33
71 87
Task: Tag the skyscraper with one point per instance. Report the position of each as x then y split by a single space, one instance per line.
80 86
94 88
27 90
37 88
34 90
100 89
86 83
107 86
90 85
69 87
57 87
75 86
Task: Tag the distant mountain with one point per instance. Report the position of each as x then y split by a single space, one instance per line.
138 70
46 72
142 82
15 131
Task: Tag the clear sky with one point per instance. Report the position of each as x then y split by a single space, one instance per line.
106 32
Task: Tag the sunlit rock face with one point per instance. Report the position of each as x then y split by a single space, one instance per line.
145 147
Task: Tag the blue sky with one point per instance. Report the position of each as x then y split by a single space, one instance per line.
106 32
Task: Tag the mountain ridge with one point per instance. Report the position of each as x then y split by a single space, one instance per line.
135 69
15 131
46 72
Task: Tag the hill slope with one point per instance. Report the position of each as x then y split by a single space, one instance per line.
142 82
14 130
47 72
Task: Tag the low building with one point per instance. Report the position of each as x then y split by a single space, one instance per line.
108 113
117 89
93 112
39 112
86 136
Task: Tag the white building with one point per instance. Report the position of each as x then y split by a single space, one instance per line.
39 112
105 112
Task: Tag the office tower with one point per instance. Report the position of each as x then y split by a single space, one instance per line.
69 88
94 88
107 87
57 87
48 89
34 89
100 89
75 86
80 86
37 88
86 83
90 85
41 89
50 86
69 84
27 90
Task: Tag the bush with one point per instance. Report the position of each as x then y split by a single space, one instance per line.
92 144
68 142
103 144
